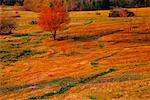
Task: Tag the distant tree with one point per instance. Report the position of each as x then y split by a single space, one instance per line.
28 5
34 5
139 3
1 2
53 18
105 4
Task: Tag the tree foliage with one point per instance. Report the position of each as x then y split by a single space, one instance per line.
53 18
35 5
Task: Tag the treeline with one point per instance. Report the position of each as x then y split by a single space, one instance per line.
80 4
11 2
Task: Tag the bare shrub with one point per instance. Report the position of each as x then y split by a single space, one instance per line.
121 12
7 25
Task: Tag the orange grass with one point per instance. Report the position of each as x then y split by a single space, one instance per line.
70 58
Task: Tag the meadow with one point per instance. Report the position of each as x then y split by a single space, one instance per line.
94 58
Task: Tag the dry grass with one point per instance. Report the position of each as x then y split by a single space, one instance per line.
88 38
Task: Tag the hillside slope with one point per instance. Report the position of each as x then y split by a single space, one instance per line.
95 58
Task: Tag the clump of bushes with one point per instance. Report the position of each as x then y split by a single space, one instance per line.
98 13
121 12
7 25
101 46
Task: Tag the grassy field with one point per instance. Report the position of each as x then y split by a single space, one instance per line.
94 58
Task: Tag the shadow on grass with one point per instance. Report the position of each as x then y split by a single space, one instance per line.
23 35
87 37
73 26
68 87
11 57
51 84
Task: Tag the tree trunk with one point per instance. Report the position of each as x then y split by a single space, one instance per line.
54 36
10 32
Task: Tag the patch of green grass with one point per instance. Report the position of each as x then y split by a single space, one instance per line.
35 34
119 94
24 53
81 37
140 32
108 56
4 51
15 56
37 41
49 35
59 82
128 77
68 87
29 41
13 50
40 52
22 35
8 58
56 83
72 53
101 46
11 41
64 81
94 63
14 45
26 39
92 97
88 37
14 88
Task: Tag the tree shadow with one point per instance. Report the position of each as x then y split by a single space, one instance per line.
87 37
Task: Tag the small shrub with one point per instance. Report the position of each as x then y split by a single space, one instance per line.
25 53
92 98
7 25
121 12
34 22
101 46
98 13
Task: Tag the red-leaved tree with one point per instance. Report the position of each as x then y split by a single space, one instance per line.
53 18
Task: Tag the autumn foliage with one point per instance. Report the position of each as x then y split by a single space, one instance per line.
53 18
